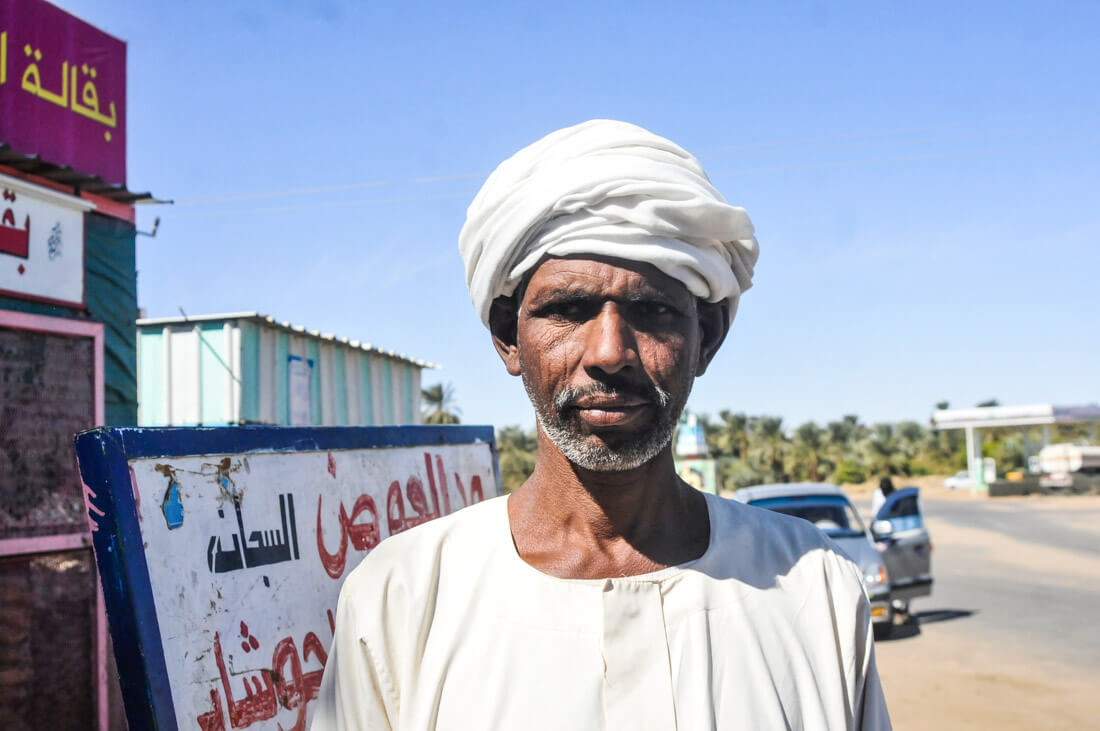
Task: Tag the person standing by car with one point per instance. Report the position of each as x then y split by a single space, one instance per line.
885 487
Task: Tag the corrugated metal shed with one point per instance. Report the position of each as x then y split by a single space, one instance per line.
247 368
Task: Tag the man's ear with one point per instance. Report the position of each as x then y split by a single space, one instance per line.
714 324
503 324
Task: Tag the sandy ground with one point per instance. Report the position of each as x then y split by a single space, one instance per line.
948 672
939 681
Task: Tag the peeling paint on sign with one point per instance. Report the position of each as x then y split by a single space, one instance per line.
172 505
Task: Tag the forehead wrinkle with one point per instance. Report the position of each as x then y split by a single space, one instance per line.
617 284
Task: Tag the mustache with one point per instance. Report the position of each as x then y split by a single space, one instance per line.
651 392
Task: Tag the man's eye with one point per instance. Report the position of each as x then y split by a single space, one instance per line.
572 311
656 309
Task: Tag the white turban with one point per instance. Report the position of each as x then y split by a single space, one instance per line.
610 189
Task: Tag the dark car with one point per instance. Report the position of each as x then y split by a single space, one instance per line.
902 539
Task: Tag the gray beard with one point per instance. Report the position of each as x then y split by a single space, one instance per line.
599 457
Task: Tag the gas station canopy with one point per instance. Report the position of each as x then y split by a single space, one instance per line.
989 417
986 417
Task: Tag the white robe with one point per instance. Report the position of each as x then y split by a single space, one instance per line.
877 501
446 627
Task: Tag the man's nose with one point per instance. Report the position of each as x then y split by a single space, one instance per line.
610 344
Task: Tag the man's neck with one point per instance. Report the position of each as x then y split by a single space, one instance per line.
575 523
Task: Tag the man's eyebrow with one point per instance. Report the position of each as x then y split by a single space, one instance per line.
650 295
562 296
565 295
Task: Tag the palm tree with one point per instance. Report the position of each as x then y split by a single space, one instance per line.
439 404
881 449
912 440
733 437
809 444
768 444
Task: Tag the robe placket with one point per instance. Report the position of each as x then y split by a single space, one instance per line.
637 692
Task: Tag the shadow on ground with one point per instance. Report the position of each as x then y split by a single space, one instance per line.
912 624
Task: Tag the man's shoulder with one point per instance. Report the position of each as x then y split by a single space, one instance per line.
767 527
766 545
420 550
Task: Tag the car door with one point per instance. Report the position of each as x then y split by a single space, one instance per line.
907 548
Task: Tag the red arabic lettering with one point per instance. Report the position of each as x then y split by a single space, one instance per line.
442 482
285 684
312 646
395 509
363 534
259 702
476 493
418 501
290 693
13 240
414 488
213 720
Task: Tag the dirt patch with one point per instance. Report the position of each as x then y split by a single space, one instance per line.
945 675
938 680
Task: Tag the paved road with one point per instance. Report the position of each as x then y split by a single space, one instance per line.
1009 638
1029 519
1003 591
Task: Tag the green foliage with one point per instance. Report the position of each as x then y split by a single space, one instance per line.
734 473
441 417
807 457
848 472
768 447
753 450
732 437
1008 452
516 451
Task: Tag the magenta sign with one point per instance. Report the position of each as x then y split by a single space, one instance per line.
62 89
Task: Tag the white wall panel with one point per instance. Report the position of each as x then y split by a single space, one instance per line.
378 390
328 402
351 378
184 387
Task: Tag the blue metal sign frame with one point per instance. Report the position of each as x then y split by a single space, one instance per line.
104 455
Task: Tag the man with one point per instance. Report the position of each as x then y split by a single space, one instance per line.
604 593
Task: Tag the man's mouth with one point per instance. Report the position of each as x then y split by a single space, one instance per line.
604 410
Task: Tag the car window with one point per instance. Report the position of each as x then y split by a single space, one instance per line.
904 514
904 507
832 514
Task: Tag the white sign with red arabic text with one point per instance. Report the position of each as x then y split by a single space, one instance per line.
247 553
41 242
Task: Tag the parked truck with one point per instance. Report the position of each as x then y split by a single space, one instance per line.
1074 467
1069 458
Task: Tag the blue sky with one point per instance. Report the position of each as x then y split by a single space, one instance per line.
924 178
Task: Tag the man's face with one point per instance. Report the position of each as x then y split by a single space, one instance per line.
608 351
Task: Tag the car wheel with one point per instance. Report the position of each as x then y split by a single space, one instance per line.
883 630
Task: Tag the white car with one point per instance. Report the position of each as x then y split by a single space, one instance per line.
958 481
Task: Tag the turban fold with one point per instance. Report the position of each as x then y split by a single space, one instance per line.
610 189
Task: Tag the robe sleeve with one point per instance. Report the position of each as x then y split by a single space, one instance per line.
869 707
357 692
871 713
